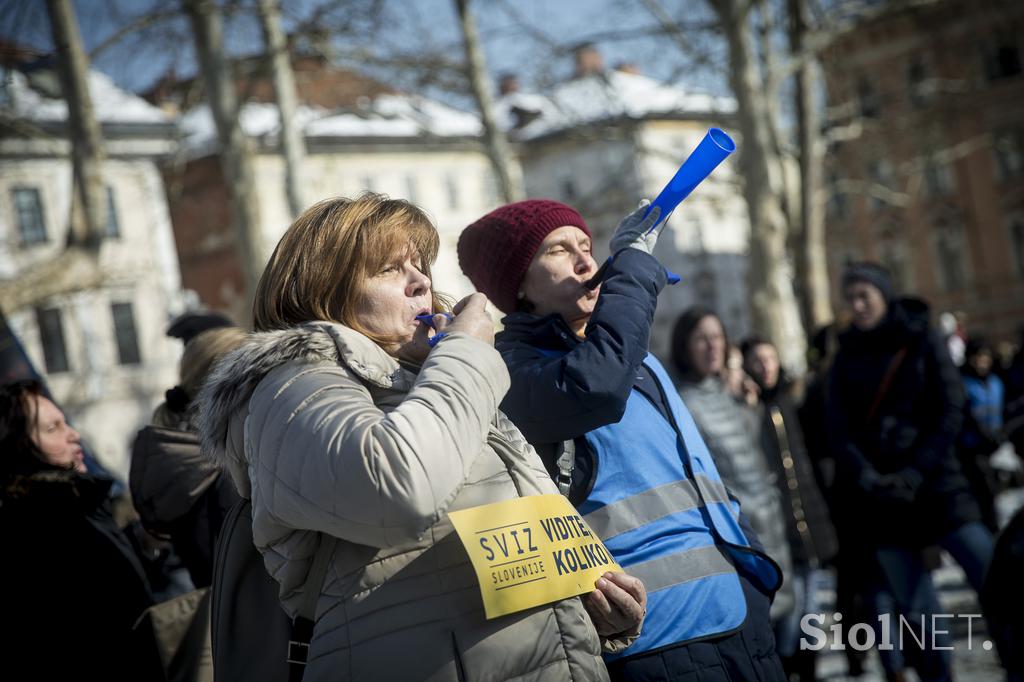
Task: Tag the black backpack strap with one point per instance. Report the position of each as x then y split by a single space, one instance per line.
302 626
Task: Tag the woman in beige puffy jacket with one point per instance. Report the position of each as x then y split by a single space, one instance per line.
343 417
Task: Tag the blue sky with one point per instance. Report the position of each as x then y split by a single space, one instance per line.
529 37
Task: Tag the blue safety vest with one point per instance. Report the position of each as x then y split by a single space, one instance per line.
663 512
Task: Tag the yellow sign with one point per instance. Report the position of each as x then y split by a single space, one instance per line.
530 551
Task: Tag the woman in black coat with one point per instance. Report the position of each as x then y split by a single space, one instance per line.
179 493
894 409
72 586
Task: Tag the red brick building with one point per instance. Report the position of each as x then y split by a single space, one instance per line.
926 162
360 134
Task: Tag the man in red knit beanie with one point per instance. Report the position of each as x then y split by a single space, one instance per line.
613 433
496 250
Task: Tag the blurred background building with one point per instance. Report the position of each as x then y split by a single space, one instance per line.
360 134
926 165
923 109
606 137
101 345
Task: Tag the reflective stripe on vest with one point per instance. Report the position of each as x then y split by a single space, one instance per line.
661 508
653 504
676 569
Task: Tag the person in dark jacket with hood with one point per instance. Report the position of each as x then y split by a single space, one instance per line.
1003 600
615 436
982 433
812 539
71 584
179 493
894 410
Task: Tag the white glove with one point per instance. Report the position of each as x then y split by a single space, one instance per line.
632 232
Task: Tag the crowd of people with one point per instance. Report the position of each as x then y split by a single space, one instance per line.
725 489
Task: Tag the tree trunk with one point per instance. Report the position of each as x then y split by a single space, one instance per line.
293 146
76 267
811 261
497 144
774 309
87 153
766 34
236 157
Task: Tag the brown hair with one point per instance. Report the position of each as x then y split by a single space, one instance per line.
202 351
317 268
197 361
19 408
681 333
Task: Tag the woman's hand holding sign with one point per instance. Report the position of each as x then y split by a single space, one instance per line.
617 606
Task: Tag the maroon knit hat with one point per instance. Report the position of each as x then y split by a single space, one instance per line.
496 250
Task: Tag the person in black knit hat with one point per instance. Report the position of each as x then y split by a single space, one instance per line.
893 411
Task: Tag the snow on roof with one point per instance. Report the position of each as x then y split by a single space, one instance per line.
387 115
606 96
111 103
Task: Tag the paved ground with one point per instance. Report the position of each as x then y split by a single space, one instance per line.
971 663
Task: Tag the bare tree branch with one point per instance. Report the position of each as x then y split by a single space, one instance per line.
87 151
497 144
293 145
138 24
235 153
669 27
74 269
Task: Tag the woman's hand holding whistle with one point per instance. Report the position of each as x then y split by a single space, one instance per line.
469 316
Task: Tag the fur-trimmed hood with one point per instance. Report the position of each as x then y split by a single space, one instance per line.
235 377
326 434
53 492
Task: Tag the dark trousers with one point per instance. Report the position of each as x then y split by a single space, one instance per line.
907 590
747 655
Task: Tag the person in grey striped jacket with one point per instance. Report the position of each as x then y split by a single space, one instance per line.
731 429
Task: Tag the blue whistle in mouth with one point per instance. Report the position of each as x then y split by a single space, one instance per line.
428 318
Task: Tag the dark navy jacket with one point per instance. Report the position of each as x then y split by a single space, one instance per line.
564 388
910 435
587 388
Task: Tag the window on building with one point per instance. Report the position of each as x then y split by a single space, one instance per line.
938 178
950 253
917 86
51 337
412 192
844 256
568 189
837 203
113 227
1008 147
5 88
706 289
452 187
125 334
881 180
1017 243
867 97
896 257
28 208
1002 58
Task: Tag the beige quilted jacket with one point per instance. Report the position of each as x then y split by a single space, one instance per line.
326 433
